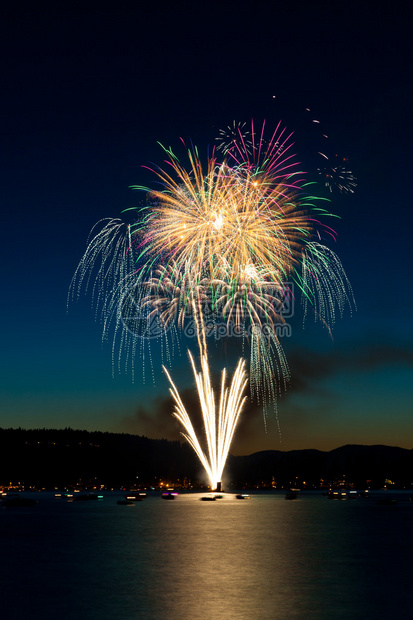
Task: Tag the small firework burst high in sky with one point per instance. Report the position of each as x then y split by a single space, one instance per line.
233 135
333 168
230 239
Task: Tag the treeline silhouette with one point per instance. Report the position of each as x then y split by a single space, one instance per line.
56 458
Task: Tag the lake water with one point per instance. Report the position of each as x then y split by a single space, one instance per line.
264 558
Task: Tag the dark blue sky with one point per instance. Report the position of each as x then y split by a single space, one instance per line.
86 93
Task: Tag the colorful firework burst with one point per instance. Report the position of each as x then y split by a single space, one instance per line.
235 237
336 176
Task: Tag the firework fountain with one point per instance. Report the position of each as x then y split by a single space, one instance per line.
234 238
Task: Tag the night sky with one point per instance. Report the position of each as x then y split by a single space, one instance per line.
86 95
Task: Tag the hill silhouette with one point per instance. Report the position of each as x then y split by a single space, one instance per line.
55 458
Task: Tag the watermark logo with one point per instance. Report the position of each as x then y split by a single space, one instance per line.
154 318
139 320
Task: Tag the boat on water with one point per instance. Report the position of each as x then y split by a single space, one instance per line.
208 498
85 497
169 495
135 497
337 494
349 494
242 496
291 495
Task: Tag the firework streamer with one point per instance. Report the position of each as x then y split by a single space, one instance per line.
229 240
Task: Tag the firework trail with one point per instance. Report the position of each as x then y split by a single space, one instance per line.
229 240
219 425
